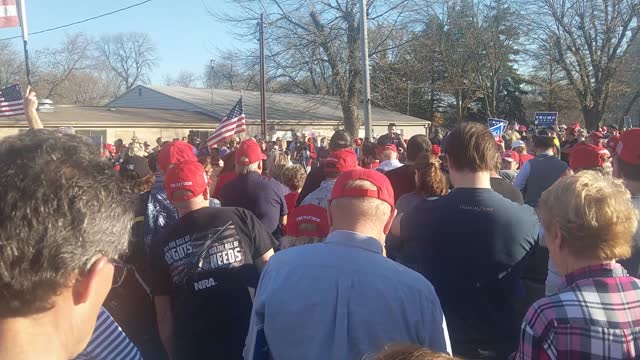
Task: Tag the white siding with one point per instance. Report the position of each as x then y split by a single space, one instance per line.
143 97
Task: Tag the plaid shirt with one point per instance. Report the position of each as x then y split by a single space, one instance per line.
595 316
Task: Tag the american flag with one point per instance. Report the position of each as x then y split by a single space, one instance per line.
11 103
8 14
233 123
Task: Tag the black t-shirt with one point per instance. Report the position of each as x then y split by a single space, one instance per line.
402 179
387 139
205 263
507 189
471 246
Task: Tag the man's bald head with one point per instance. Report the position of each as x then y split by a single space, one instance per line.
365 215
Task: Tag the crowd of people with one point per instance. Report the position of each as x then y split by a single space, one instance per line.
462 244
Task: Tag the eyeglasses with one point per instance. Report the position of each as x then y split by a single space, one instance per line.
120 273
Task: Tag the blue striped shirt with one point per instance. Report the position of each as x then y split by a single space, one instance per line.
108 342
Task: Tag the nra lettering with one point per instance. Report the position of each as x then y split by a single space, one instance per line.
203 284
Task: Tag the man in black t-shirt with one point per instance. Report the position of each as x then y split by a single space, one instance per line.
471 245
392 137
203 267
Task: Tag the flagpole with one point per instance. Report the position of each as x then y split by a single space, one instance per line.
22 12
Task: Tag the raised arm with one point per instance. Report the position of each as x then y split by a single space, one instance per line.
30 109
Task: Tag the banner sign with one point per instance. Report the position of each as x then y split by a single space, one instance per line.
497 126
544 119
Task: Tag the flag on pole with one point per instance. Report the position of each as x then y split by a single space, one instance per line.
233 123
8 14
11 102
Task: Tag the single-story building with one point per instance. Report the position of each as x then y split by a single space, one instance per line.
170 112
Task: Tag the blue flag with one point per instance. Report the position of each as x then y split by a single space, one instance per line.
544 119
497 126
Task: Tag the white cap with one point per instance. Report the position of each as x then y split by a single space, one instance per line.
517 143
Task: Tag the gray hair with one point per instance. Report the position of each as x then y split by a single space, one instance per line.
245 169
62 207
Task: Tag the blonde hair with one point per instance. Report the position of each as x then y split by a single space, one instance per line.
293 177
408 352
593 214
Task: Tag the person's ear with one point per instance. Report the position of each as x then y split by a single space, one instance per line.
205 194
95 284
387 225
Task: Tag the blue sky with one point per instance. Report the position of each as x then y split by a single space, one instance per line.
185 34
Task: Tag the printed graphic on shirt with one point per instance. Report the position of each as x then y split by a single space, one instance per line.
204 252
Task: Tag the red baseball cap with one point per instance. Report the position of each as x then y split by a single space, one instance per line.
511 156
383 191
585 156
436 150
341 161
382 149
249 152
308 214
173 153
596 135
187 175
628 148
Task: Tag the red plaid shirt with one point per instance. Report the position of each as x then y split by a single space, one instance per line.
595 316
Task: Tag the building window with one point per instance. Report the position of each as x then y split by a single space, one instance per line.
95 136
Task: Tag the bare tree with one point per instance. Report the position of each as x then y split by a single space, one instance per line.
588 40
11 65
131 56
314 46
52 67
232 69
184 79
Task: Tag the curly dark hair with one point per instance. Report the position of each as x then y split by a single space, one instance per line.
62 206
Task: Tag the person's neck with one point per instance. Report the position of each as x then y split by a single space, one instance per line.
545 152
186 208
474 180
572 264
364 228
31 338
632 186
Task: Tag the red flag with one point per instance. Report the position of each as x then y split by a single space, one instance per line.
8 14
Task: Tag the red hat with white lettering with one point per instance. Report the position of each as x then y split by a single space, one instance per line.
585 156
628 148
249 152
342 188
511 156
174 153
187 175
308 220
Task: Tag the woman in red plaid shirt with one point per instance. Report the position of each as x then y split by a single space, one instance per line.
588 222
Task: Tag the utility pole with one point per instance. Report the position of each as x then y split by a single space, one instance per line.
213 64
263 83
408 95
366 90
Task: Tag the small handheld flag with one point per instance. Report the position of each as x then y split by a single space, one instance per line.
497 126
8 14
11 102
